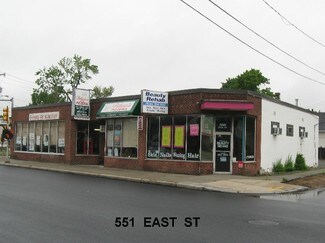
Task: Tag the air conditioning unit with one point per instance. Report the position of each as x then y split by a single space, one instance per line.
304 134
102 128
276 131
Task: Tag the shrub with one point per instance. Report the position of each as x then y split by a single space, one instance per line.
278 166
300 163
289 164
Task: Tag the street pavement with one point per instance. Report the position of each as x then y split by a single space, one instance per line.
256 185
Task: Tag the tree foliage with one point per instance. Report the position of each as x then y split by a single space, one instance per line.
249 80
55 84
101 92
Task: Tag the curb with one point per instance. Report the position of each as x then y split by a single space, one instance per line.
185 185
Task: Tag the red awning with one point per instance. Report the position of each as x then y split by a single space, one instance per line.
227 105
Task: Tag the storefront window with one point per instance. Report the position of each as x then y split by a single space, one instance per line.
53 136
207 138
24 136
179 131
193 137
165 137
40 136
61 137
122 138
46 137
19 133
153 137
244 138
31 137
250 138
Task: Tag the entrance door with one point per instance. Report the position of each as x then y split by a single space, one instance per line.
223 153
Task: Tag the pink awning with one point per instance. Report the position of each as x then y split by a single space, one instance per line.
227 105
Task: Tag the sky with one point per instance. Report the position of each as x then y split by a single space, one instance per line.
163 45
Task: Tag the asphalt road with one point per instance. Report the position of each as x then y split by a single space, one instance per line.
40 206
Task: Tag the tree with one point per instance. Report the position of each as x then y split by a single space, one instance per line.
55 84
249 80
99 92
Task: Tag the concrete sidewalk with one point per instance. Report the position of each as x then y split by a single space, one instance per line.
218 182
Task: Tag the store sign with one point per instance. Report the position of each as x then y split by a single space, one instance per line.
140 123
45 116
154 102
80 109
123 106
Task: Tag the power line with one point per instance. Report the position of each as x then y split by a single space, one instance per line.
290 23
259 52
272 44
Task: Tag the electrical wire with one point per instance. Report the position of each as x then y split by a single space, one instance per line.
251 47
272 44
290 23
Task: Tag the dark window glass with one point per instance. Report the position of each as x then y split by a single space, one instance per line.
179 138
223 124
238 138
193 137
250 138
289 130
93 146
82 136
153 137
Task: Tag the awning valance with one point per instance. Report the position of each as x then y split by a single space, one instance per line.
119 108
227 105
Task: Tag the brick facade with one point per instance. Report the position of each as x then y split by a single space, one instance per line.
180 103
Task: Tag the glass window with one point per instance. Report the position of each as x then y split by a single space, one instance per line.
46 136
130 138
122 137
250 138
223 124
31 137
238 138
179 131
53 136
193 137
207 138
61 137
165 137
153 137
38 136
24 136
289 130
19 134
82 136
93 146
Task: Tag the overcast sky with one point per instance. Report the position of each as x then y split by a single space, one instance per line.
164 45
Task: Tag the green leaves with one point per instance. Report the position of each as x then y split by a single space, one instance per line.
55 84
249 80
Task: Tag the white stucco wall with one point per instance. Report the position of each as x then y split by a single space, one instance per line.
321 139
282 146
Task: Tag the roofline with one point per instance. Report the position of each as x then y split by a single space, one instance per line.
180 92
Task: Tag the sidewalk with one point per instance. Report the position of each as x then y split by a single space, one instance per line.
220 182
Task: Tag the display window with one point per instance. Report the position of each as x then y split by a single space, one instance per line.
40 136
122 138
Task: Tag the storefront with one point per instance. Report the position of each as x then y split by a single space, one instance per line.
199 131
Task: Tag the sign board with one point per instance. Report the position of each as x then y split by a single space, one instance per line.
45 116
140 123
80 109
154 102
240 164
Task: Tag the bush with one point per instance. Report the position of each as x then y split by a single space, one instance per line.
300 163
288 164
278 166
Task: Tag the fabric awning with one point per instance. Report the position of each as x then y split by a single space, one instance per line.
119 108
227 105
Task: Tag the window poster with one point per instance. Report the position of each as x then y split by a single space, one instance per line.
179 137
166 132
194 130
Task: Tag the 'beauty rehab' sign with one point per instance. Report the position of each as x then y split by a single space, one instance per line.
154 102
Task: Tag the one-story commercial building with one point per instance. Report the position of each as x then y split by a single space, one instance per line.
198 131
